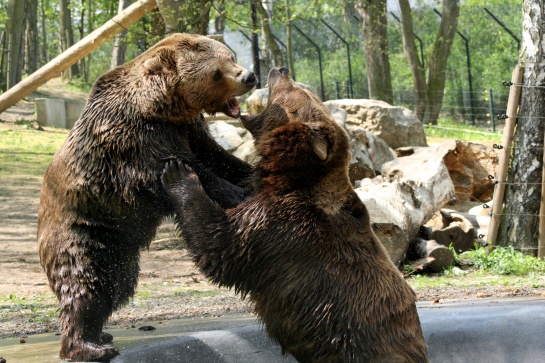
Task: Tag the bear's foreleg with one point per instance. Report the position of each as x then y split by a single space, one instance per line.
205 226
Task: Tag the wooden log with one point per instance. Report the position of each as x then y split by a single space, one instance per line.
422 264
505 153
443 257
76 52
449 227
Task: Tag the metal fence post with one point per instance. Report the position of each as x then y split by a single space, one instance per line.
319 58
492 118
503 26
350 89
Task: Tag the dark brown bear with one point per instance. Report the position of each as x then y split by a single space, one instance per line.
102 198
302 248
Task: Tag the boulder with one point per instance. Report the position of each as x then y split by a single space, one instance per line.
469 165
396 125
257 101
227 135
369 152
246 151
413 189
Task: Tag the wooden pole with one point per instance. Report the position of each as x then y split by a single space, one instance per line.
73 54
541 240
505 153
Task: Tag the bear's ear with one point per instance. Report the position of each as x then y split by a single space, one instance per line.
161 64
319 145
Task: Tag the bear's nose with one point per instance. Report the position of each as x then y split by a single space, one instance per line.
284 70
249 78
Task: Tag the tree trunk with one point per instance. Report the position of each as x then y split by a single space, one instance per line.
348 10
45 57
417 69
66 34
438 61
31 37
374 25
271 47
219 21
520 217
291 64
185 16
119 47
13 40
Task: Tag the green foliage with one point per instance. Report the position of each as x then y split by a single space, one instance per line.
505 261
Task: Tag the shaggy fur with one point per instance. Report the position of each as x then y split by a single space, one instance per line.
102 198
302 248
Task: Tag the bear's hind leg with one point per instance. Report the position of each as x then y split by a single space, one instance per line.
82 318
84 281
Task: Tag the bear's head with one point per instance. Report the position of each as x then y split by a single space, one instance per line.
299 143
181 76
287 102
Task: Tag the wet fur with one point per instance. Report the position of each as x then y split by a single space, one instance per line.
302 248
102 199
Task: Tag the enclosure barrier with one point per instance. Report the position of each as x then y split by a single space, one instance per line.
505 152
76 52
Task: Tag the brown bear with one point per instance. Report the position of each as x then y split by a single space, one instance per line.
302 247
102 198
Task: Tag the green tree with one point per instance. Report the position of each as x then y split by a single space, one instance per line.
429 93
374 25
67 35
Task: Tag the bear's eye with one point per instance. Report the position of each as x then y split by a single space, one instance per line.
217 75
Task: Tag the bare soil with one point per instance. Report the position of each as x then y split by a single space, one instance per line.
170 286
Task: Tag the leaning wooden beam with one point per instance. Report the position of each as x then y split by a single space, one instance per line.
505 153
76 52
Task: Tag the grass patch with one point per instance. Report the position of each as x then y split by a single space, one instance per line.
475 279
42 308
505 261
448 129
503 267
24 150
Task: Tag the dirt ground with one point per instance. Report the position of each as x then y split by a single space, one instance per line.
170 286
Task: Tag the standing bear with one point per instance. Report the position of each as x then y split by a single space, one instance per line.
102 198
302 247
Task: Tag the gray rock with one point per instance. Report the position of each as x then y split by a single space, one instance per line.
228 136
413 189
396 125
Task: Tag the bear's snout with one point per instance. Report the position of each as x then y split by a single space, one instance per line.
249 79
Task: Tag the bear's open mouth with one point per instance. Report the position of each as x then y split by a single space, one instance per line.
232 108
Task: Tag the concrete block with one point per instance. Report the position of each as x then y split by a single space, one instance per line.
51 112
73 109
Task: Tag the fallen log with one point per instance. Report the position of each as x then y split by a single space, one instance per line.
443 257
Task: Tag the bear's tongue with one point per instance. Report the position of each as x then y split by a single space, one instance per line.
232 108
